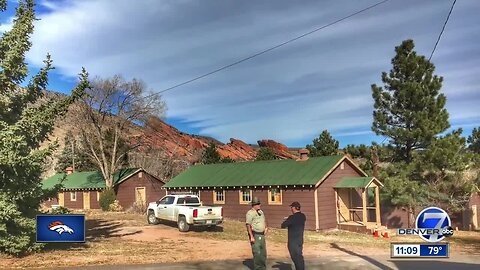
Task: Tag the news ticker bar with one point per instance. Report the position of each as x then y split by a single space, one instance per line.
418 250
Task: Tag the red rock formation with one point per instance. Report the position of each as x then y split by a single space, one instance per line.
237 149
160 135
174 143
279 149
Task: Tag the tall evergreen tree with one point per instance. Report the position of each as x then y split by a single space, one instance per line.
409 108
25 122
443 167
324 145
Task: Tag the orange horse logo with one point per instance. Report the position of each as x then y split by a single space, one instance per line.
60 228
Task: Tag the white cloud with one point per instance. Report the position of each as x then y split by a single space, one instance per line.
7 25
320 82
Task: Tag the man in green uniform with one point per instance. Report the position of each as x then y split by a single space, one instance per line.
257 228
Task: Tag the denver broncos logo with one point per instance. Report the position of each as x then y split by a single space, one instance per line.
60 228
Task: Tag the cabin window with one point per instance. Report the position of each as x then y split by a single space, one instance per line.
245 196
274 196
195 192
73 196
219 196
140 174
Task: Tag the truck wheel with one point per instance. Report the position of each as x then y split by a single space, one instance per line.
183 225
151 218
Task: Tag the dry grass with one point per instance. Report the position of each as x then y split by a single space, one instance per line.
461 241
235 230
105 244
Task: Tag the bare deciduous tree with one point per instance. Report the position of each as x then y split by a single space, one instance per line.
109 114
158 164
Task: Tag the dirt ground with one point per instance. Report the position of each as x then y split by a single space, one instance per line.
123 239
220 249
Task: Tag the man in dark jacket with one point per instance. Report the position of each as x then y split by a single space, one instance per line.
296 225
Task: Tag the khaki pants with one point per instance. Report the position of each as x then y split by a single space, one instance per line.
259 250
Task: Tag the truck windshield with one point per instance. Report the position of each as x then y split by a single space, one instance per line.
188 200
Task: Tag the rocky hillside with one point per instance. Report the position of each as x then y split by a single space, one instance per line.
164 141
173 142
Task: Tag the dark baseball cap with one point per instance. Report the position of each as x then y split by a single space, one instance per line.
295 204
256 201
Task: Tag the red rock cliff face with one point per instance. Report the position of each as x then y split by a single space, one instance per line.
160 135
173 142
279 149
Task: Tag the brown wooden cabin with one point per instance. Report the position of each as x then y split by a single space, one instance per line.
333 191
81 190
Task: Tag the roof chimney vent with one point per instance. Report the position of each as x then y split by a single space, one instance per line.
303 154
69 170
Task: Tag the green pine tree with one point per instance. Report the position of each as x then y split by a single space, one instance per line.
265 153
409 108
324 145
210 155
73 156
443 168
360 151
474 141
25 122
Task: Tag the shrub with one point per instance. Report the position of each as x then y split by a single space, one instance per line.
106 199
138 208
115 206
17 233
61 211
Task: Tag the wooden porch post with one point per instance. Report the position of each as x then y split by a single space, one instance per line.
364 206
337 211
317 225
377 205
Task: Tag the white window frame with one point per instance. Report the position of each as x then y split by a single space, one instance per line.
240 194
73 196
215 201
270 201
195 192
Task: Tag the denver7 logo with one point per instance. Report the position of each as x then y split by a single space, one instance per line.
60 228
433 218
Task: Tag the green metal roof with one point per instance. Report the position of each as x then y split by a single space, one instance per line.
353 182
256 173
86 180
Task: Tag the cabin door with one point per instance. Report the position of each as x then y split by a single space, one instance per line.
61 199
474 217
86 200
140 195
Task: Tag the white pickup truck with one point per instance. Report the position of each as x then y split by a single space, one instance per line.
185 210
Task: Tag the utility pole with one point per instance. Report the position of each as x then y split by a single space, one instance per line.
73 155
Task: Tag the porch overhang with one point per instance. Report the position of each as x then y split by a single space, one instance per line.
347 210
358 182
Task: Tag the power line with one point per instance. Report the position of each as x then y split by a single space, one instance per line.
268 50
443 28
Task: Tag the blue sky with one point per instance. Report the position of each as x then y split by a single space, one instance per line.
290 94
